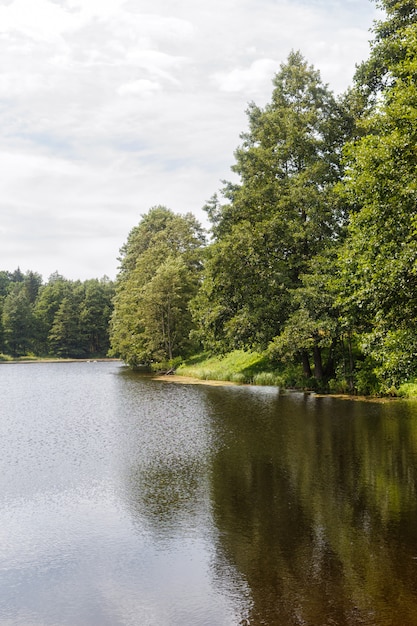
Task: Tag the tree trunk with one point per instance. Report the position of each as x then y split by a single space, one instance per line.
351 364
329 371
306 364
318 365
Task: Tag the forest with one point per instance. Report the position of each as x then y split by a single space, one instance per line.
60 318
310 263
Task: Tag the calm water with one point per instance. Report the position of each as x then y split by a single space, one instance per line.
127 501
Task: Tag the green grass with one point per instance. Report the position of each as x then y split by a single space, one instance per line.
7 357
408 390
238 367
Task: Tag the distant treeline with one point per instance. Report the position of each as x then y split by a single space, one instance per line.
60 318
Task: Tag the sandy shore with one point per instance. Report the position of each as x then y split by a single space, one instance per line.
188 380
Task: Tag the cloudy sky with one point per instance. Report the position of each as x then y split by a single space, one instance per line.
109 107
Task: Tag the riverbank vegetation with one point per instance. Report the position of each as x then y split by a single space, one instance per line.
309 277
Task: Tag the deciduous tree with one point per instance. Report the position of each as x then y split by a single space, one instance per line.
159 274
379 260
281 214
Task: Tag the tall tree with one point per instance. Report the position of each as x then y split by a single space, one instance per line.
47 304
95 312
159 273
389 48
65 336
379 261
18 321
281 214
165 313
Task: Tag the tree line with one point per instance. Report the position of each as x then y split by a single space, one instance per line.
61 318
312 256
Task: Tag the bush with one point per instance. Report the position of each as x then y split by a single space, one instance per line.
366 379
408 390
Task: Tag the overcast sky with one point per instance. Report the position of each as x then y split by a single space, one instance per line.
109 107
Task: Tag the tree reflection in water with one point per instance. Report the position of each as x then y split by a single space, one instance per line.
315 503
307 505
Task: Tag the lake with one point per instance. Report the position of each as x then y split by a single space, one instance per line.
131 501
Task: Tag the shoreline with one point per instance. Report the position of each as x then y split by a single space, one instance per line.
189 380
54 360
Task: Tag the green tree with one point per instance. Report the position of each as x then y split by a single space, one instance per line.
5 282
379 260
313 325
33 283
50 297
281 214
65 336
95 312
389 48
165 313
18 321
244 294
159 272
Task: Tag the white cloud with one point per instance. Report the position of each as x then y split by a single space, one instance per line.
138 87
156 63
249 79
40 20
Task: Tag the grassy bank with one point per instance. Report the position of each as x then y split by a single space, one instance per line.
6 358
238 367
255 368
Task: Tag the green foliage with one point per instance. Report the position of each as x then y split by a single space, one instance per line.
165 314
389 47
243 295
313 263
312 327
408 390
64 335
95 311
283 213
17 320
378 262
160 267
311 276
268 379
59 318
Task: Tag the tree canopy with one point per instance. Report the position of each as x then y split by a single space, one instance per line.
378 260
281 216
159 274
57 318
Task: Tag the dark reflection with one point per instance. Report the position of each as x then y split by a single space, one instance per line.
307 505
315 504
164 497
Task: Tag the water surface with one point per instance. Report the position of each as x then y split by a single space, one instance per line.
129 501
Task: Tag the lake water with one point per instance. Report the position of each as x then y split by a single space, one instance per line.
129 501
